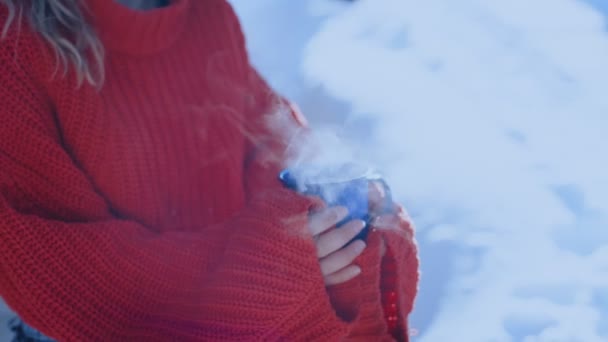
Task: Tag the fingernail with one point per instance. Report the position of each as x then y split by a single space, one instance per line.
360 245
360 225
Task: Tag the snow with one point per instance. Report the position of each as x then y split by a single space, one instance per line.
488 120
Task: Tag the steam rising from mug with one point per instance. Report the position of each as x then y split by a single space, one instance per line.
319 163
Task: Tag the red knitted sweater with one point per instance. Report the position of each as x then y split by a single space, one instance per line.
149 210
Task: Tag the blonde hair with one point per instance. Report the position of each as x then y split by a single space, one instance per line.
63 25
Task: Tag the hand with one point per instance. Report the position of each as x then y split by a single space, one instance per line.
399 220
336 261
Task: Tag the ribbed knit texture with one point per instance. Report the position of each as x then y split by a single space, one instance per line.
150 210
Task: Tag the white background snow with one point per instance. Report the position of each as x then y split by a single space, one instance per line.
490 119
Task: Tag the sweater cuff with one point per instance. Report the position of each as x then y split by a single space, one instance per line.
358 300
402 247
273 234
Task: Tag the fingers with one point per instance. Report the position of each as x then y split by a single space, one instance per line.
342 275
335 239
342 258
326 219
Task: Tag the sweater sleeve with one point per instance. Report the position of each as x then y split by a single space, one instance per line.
77 272
386 280
400 274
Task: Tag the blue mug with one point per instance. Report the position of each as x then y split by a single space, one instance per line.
347 185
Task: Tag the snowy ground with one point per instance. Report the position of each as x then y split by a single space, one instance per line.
489 120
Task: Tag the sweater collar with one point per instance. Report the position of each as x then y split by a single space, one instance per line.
135 31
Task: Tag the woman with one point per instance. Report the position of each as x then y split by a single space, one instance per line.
138 191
